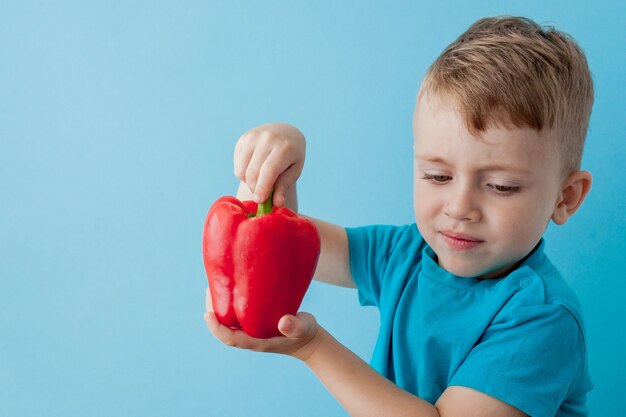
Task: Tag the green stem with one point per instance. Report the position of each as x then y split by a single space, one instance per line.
266 207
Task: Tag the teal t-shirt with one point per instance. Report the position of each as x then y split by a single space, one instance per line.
519 338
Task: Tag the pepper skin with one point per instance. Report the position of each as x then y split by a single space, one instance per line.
259 266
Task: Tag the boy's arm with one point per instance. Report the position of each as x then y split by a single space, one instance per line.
333 266
361 390
364 392
358 387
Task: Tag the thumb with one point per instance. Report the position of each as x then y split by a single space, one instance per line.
285 181
301 326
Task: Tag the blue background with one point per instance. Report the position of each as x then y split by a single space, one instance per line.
117 127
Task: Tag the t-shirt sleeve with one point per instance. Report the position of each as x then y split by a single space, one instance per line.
529 359
371 249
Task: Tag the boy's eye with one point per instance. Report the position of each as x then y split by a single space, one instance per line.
437 178
504 189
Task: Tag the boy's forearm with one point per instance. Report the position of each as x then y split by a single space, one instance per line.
358 387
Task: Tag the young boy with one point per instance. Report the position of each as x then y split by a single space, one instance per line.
475 320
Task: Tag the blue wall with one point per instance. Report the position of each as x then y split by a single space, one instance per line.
117 126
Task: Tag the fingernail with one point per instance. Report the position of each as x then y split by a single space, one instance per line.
256 198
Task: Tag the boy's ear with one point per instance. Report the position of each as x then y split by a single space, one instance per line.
574 191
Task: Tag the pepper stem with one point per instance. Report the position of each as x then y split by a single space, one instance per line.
266 207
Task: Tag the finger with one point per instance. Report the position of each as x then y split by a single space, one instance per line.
231 337
284 182
211 321
254 169
280 191
272 168
225 334
209 300
242 155
301 326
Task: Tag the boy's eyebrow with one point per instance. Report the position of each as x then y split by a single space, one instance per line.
491 167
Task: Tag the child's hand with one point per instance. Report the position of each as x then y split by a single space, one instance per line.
299 332
267 156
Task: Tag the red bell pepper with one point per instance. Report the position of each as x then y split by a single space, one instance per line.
259 261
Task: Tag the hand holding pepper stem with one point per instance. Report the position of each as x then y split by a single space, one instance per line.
271 155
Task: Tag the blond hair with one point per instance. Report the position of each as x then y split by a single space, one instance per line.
510 70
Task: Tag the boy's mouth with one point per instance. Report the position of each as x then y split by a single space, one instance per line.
459 241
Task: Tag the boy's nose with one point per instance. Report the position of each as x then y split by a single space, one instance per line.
461 205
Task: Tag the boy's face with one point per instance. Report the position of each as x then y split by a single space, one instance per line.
482 204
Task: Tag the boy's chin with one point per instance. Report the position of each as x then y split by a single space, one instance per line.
465 270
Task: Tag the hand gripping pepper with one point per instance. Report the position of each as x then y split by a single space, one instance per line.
259 261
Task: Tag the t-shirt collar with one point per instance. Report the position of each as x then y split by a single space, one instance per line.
431 268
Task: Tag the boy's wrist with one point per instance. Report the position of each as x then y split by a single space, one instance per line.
310 350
